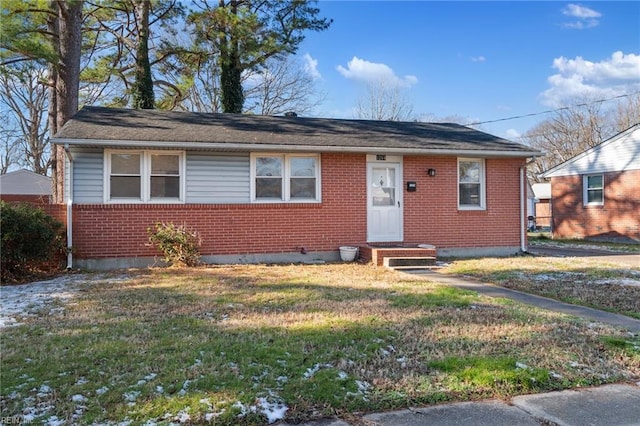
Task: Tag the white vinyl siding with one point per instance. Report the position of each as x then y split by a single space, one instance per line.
220 178
619 153
87 177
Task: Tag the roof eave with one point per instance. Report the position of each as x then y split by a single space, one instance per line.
557 170
226 146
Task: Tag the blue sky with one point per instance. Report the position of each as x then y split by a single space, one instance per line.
477 60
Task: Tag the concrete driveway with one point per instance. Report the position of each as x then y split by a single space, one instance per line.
627 259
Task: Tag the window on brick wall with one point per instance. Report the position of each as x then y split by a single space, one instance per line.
285 177
471 184
593 190
144 176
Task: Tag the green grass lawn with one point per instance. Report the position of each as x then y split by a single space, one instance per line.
586 282
245 344
545 238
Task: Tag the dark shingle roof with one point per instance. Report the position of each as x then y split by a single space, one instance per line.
125 127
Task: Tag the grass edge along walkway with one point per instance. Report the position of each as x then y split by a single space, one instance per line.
487 289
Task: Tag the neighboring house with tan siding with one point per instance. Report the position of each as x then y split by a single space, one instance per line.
597 193
294 189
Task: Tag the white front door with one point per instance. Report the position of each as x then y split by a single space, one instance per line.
384 202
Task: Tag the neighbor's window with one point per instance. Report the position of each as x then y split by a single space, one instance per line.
471 184
143 176
283 177
593 190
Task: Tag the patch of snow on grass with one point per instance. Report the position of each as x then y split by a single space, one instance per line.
313 370
55 421
29 300
620 281
131 397
273 411
210 416
102 390
185 386
183 417
78 398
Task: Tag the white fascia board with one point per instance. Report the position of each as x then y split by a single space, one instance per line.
293 148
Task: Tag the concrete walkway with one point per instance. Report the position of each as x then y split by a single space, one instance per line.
610 405
622 321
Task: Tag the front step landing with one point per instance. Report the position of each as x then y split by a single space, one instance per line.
409 263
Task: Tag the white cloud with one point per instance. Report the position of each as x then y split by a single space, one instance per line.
512 134
311 66
365 71
478 58
576 78
586 17
581 12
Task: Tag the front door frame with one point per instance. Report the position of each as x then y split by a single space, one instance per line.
395 161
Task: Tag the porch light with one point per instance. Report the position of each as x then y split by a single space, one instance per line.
431 172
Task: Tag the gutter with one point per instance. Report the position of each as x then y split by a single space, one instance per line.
69 209
263 147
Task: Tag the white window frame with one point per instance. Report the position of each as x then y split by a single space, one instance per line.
286 178
145 177
483 184
586 189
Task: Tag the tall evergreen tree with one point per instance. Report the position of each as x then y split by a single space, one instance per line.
48 31
244 34
142 88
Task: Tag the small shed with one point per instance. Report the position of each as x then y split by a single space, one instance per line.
542 205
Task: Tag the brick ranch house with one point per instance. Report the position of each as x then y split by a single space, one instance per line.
597 193
289 189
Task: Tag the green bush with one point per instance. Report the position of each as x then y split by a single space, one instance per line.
179 245
31 240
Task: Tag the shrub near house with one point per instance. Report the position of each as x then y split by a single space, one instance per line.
31 240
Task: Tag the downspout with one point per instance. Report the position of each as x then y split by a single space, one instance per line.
523 206
69 209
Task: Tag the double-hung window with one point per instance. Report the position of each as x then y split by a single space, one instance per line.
593 190
125 175
285 177
144 176
471 184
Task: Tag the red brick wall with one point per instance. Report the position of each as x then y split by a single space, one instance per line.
618 217
431 215
21 198
543 213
